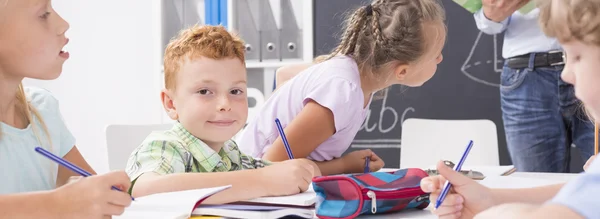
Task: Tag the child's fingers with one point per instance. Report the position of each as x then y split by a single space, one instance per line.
432 183
447 210
453 200
365 153
456 178
427 184
376 166
451 216
116 178
118 198
110 209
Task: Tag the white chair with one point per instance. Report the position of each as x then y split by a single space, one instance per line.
426 141
121 140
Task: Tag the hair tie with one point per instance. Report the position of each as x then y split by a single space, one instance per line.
369 10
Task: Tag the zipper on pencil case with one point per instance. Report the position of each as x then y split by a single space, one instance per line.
405 193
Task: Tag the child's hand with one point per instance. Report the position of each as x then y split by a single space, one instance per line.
288 177
466 198
354 162
589 162
92 197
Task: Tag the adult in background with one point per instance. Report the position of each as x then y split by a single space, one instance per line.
542 117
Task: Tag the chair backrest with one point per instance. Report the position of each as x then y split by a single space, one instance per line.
121 140
426 141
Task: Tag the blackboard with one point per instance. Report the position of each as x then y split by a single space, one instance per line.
466 85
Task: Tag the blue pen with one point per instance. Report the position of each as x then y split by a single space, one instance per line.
367 160
284 139
447 185
67 164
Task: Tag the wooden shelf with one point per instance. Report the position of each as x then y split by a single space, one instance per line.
272 64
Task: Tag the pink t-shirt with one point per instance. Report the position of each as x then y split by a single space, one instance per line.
334 84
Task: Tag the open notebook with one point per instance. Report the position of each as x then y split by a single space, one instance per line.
253 211
299 205
305 199
174 205
169 205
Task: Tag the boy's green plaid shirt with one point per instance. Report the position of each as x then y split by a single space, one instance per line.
475 5
178 151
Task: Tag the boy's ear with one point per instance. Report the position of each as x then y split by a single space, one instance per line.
167 101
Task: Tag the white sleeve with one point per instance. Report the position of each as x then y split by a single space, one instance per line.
488 26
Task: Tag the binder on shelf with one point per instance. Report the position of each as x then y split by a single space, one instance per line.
211 11
223 13
180 14
193 12
291 30
172 20
246 23
269 33
215 12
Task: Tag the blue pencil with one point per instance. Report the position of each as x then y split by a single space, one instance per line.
367 160
67 164
457 168
284 139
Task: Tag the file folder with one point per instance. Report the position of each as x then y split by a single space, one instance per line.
193 12
290 31
172 20
246 22
269 32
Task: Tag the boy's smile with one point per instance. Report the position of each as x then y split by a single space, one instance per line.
210 98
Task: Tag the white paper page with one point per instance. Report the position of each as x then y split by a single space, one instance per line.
168 205
303 199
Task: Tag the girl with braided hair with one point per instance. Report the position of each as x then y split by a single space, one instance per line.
322 108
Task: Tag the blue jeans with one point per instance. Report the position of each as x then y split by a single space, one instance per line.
542 119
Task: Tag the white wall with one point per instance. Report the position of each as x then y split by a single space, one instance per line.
112 75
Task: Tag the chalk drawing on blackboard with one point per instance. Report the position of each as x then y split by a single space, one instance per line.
382 114
467 64
389 140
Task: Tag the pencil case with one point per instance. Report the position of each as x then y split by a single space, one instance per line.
351 195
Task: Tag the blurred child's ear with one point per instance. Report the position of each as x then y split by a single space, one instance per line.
400 72
167 101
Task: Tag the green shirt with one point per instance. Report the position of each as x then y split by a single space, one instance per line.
178 151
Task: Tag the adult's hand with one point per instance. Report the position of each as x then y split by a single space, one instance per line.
499 10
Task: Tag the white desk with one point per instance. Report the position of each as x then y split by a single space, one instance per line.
426 214
564 177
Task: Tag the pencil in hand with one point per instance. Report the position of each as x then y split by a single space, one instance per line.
284 139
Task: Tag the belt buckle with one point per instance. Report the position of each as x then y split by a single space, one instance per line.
563 57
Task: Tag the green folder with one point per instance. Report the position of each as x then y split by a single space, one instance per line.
475 5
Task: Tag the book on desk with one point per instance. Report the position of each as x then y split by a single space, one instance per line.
298 205
184 204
